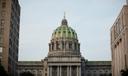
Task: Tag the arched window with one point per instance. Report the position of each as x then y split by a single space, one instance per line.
58 45
78 46
49 47
63 45
52 46
75 46
70 45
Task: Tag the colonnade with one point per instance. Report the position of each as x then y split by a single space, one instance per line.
64 70
62 45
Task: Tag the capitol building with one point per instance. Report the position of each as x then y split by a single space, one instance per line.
64 57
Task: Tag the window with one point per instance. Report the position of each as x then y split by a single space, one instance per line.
54 71
70 45
55 33
45 74
2 21
57 45
64 31
63 45
1 39
0 60
45 69
74 71
3 13
73 33
64 71
78 46
3 4
52 46
69 32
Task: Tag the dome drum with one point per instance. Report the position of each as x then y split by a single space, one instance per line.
60 53
64 39
64 45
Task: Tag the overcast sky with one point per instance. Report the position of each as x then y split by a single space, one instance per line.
91 19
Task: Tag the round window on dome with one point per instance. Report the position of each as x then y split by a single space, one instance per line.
64 31
73 33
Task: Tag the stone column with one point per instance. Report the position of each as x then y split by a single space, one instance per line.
67 47
49 47
55 46
73 46
68 73
59 45
70 68
52 46
47 72
50 71
78 47
34 72
58 71
77 71
123 45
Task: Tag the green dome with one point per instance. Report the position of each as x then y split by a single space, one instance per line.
64 31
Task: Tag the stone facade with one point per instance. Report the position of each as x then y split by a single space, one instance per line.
0 54
88 68
119 42
98 68
35 67
9 34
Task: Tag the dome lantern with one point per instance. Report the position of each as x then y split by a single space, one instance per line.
64 21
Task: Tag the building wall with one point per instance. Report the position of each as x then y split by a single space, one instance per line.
9 34
34 67
98 68
91 68
0 55
119 42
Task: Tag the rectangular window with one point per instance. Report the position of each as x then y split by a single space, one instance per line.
1 40
64 71
3 14
1 49
3 4
2 21
54 71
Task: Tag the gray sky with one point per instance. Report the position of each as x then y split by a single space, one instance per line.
91 19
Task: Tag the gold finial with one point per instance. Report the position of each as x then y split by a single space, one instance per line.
64 15
64 21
